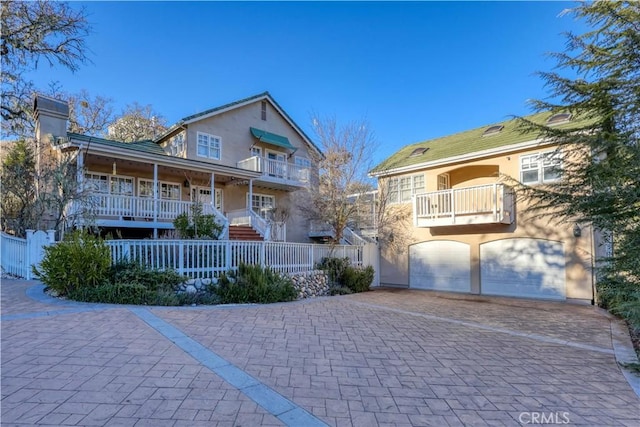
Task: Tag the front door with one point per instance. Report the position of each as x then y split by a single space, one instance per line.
276 164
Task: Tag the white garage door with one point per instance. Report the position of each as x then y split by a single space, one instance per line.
441 265
532 268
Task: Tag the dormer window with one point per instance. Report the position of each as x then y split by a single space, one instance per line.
419 151
558 119
493 130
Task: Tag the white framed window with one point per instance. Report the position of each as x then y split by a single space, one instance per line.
166 190
145 188
178 145
262 204
400 190
109 184
256 151
97 183
540 168
209 146
303 166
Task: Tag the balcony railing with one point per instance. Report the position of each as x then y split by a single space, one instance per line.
482 204
277 170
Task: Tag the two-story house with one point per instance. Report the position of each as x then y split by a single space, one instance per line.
242 161
470 233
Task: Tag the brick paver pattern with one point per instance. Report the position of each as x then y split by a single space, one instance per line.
388 357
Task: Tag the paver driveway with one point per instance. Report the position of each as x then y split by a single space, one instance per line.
388 357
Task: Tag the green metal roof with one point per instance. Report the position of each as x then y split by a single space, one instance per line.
468 142
145 146
272 138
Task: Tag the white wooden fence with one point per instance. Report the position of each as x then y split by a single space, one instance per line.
210 258
18 255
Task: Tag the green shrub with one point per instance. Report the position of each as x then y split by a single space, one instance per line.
254 284
335 268
131 271
79 261
197 225
118 293
339 290
342 275
358 279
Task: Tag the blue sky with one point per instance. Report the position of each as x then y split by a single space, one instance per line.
414 70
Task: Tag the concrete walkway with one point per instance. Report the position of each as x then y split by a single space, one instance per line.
389 357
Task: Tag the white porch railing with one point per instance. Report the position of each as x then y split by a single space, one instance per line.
482 204
211 258
276 169
18 255
146 208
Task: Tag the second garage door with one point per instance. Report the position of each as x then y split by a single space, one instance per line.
442 265
523 267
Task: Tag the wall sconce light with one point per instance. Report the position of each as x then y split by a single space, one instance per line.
577 231
114 169
186 183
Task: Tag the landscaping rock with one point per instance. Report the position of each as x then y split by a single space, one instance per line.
310 284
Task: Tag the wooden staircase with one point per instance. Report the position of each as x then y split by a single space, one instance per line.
243 232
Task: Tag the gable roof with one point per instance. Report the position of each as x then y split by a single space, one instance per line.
467 143
233 105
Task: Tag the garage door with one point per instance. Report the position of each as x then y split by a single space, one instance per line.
440 265
532 268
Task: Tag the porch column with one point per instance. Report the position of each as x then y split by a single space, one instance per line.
213 190
250 201
155 200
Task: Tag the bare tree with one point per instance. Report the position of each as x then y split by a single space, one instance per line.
89 115
136 123
34 32
342 179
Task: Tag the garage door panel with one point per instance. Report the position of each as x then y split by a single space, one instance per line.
523 267
440 265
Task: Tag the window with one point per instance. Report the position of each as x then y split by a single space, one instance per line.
492 130
105 184
97 183
177 145
145 188
167 190
209 146
401 190
558 118
419 151
264 110
262 204
256 152
540 168
303 166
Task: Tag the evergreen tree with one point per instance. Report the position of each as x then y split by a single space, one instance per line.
597 80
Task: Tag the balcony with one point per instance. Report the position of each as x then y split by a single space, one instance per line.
277 172
482 204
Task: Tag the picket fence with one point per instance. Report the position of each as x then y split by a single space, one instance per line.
18 255
210 258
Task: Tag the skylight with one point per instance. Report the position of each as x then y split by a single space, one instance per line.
419 151
559 118
492 130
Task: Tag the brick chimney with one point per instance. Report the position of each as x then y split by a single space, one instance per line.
51 118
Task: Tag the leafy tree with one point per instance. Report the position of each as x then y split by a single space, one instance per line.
41 194
136 123
18 189
342 180
34 32
597 79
